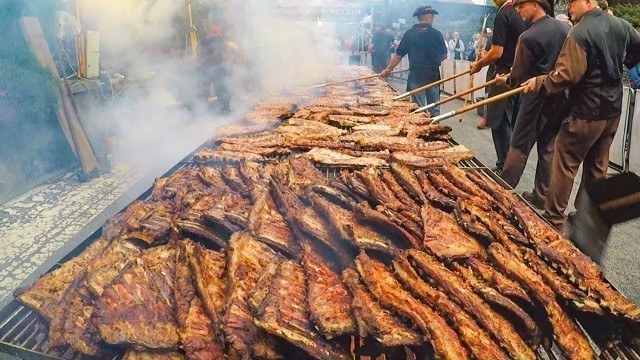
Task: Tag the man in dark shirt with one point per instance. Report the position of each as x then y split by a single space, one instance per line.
501 115
538 118
426 50
590 66
381 43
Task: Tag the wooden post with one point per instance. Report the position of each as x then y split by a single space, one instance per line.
32 32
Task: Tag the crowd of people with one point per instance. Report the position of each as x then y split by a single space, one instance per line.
570 77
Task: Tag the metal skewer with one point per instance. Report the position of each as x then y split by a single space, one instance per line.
435 83
490 100
455 96
358 79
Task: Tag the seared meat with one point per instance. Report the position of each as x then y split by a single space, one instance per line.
331 157
197 229
45 294
529 328
345 224
329 301
449 283
434 195
267 225
409 182
572 342
205 156
365 213
138 307
105 268
247 259
430 160
444 238
284 312
152 355
480 344
231 211
391 182
209 278
196 330
373 319
504 285
382 195
390 293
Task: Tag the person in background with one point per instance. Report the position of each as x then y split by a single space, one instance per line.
426 50
501 115
472 47
379 48
539 117
565 19
634 77
213 64
590 67
456 46
604 5
447 38
482 49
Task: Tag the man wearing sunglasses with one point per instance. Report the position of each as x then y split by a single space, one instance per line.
539 118
590 67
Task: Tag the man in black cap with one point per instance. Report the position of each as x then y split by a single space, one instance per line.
590 66
501 115
538 118
426 50
381 43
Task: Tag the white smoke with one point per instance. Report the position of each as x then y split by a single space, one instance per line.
156 121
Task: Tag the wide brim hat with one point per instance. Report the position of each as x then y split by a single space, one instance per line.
424 10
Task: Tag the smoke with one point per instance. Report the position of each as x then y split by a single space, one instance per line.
158 119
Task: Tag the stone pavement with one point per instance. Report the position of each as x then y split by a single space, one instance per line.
37 224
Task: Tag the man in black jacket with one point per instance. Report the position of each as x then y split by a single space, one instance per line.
539 117
501 115
590 66
426 49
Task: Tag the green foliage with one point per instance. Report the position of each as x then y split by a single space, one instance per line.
629 12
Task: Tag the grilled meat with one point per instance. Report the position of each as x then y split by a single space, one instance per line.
404 219
213 179
496 279
449 283
196 330
390 293
488 221
409 182
251 173
197 229
267 225
369 111
164 189
239 130
301 175
284 312
434 196
247 259
152 355
345 224
258 150
330 157
260 291
460 180
445 239
429 161
399 192
231 212
105 268
348 120
472 225
414 131
265 139
209 277
329 301
45 294
528 327
569 338
365 213
480 344
206 156
372 319
382 195
138 307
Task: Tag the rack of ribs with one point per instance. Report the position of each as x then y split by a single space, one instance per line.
247 259
449 283
208 269
445 239
480 344
329 301
390 293
569 338
138 307
284 312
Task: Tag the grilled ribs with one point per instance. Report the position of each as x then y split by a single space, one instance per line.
409 182
209 278
399 192
499 281
480 344
449 283
284 312
390 293
572 342
138 307
247 259
444 238
196 330
434 195
267 225
329 301
206 156
373 320
331 157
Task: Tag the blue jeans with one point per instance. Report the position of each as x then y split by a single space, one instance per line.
428 96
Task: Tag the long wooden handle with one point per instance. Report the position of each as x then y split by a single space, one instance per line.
456 96
490 100
358 79
435 83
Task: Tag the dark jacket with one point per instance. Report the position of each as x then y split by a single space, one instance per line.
590 65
